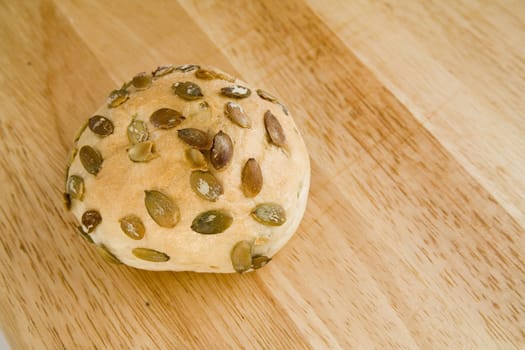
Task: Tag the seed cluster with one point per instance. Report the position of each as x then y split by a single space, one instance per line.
203 148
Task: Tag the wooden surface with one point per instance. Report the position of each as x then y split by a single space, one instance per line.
414 233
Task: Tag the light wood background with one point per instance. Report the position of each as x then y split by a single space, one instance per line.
414 233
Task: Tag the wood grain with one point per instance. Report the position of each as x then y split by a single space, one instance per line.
414 233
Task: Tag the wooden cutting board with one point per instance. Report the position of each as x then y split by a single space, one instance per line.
414 233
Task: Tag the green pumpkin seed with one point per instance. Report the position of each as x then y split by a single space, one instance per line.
196 159
267 96
221 151
259 261
251 178
117 97
205 185
142 152
185 68
162 208
142 81
274 129
212 222
236 114
132 226
241 256
66 200
195 138
75 187
91 219
91 159
236 91
166 118
150 255
187 90
137 131
162 70
100 125
81 131
270 214
84 234
107 255
206 74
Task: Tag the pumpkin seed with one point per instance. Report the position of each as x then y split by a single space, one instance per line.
241 256
132 226
236 114
162 70
125 85
236 91
142 81
117 97
137 131
274 129
75 187
150 255
142 152
205 185
166 118
162 208
91 219
66 200
212 222
270 214
107 255
196 158
195 138
185 68
100 125
259 261
206 74
251 178
81 131
267 96
84 234
187 90
91 159
221 150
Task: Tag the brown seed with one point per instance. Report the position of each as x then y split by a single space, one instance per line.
91 159
241 256
205 185
274 129
221 151
267 96
185 68
91 219
117 97
196 159
270 214
236 114
142 152
142 81
100 125
132 226
137 131
210 75
195 138
107 255
75 187
212 222
162 70
162 208
252 179
236 91
187 90
166 118
259 261
84 234
150 255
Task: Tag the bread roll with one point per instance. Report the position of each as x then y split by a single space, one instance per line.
189 169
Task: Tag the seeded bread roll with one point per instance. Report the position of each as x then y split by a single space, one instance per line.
188 169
